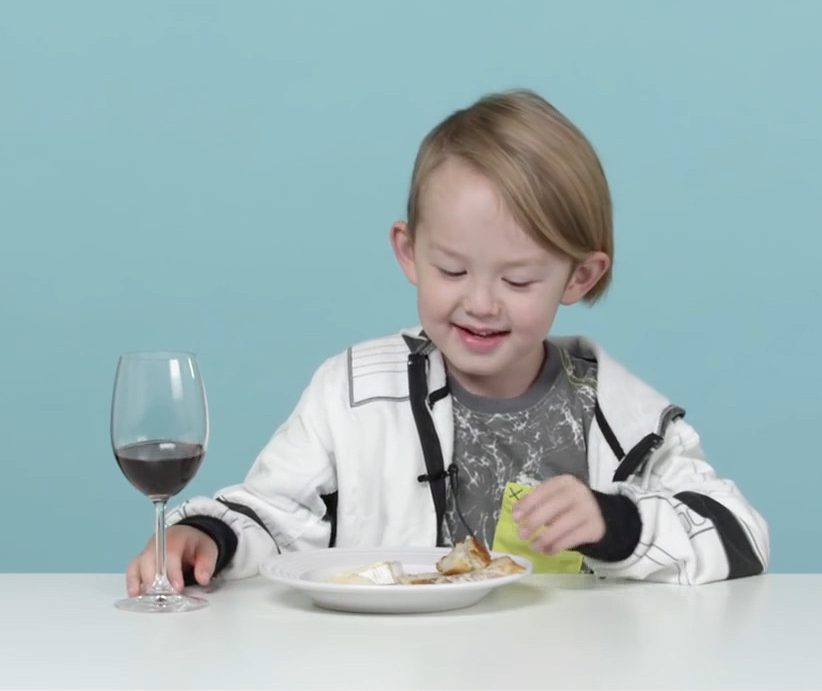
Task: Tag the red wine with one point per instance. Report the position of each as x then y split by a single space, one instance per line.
159 468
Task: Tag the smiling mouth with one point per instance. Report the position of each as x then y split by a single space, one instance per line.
481 333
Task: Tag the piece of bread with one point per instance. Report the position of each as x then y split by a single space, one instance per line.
503 566
468 555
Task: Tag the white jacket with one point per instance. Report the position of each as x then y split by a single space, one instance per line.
353 437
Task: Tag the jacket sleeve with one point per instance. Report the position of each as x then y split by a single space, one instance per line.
281 505
696 527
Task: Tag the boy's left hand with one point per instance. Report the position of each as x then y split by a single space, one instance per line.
562 512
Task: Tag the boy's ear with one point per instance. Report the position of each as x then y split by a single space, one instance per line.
585 276
403 246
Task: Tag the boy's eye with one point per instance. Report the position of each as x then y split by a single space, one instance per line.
517 284
451 274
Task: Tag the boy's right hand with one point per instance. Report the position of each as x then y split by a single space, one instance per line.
187 549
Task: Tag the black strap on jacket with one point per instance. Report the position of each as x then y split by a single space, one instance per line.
637 456
431 450
607 432
631 462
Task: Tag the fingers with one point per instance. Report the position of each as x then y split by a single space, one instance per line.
189 549
185 547
204 562
133 578
544 503
560 514
571 540
174 568
198 552
560 535
146 565
544 513
140 571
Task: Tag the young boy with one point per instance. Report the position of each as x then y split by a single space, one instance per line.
475 423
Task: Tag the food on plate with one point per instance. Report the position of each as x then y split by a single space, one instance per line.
501 566
421 578
467 561
378 573
466 556
504 566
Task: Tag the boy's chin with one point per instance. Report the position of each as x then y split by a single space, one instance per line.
469 368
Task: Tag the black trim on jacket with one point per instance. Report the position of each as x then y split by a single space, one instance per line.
607 432
249 513
330 501
637 456
427 432
742 560
623 527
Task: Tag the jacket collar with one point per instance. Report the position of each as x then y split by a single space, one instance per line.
632 408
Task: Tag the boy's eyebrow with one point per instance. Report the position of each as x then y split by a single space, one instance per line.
444 250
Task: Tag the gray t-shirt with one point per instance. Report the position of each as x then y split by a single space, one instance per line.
526 440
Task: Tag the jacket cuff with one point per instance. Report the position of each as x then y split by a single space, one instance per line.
222 535
622 528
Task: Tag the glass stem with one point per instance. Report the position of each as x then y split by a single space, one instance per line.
161 586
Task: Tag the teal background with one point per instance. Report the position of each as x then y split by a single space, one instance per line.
221 177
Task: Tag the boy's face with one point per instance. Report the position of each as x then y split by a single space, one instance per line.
487 293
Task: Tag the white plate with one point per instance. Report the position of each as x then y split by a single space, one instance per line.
310 571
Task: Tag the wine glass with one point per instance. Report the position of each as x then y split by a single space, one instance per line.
159 433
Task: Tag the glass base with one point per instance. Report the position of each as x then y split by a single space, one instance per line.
161 604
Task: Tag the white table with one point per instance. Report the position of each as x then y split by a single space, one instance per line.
61 630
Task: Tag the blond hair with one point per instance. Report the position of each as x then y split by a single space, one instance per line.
544 168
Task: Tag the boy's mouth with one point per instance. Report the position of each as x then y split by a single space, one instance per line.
480 339
481 333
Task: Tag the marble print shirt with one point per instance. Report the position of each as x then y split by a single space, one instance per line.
526 440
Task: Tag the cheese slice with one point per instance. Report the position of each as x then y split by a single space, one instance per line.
378 573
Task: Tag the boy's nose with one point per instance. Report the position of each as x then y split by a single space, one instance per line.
481 302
